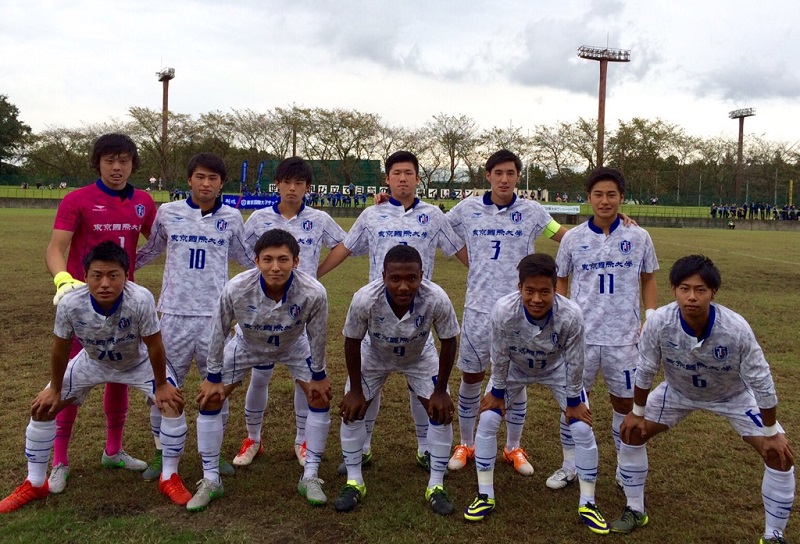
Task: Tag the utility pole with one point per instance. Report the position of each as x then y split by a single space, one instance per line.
164 76
740 115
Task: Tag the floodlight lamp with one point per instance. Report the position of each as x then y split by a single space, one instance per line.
742 112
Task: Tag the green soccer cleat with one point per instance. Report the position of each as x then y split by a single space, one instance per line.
366 460
480 508
424 461
349 496
153 471
225 468
122 460
630 520
311 489
206 492
777 538
591 516
440 503
58 479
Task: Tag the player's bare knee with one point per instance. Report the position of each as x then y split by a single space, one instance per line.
319 404
169 411
473 377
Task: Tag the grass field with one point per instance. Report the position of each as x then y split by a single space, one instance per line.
704 484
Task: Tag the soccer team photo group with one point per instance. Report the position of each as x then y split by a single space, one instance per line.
521 366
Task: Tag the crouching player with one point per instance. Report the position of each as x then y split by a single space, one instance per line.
388 329
274 305
712 362
116 323
537 337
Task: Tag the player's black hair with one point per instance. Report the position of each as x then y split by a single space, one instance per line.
294 168
402 254
537 264
114 144
402 156
695 264
499 157
277 238
107 252
211 162
606 174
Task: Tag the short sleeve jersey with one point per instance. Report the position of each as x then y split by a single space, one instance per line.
496 239
381 227
198 249
113 339
270 329
605 273
548 351
312 229
405 337
96 214
724 362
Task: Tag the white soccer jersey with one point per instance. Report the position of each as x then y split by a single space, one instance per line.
405 337
379 228
270 329
524 352
725 362
497 239
114 339
312 229
605 273
198 249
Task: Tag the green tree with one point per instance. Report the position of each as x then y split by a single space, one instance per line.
13 135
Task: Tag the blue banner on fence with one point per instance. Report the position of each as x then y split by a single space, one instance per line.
243 189
258 178
249 202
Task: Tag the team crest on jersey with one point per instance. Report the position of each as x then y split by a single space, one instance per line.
516 217
625 246
420 319
307 225
423 219
294 311
124 323
140 210
554 338
221 225
720 353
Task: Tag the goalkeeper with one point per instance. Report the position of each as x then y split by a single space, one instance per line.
109 209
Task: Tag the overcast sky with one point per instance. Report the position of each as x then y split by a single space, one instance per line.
499 62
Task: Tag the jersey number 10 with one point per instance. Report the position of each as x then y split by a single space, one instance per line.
197 259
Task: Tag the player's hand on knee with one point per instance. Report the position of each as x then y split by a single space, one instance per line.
440 408
632 429
319 392
45 406
490 402
777 452
580 412
169 399
210 395
64 284
353 406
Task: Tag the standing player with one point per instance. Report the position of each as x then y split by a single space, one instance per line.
712 362
537 337
498 229
606 262
312 229
110 209
200 236
388 329
404 220
282 314
116 321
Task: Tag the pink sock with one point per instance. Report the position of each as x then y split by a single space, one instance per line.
115 404
64 422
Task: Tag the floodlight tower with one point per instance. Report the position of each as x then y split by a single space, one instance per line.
740 114
604 55
164 76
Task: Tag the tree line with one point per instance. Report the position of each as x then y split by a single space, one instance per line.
659 159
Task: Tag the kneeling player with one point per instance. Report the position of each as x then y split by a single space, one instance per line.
274 306
537 337
388 329
116 322
711 362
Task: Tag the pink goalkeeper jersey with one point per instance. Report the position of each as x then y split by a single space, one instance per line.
96 213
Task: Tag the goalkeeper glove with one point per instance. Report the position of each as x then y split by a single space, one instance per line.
64 284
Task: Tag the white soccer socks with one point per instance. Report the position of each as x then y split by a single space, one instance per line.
420 416
469 398
39 438
486 451
209 442
585 459
567 446
777 490
515 419
317 426
352 435
633 468
439 440
256 401
173 440
300 414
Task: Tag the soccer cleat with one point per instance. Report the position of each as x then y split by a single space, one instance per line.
311 489
480 508
207 491
226 469
366 460
561 479
300 453
777 538
630 520
250 450
620 482
153 471
461 455
23 495
591 516
122 460
174 489
424 461
440 503
58 478
349 496
519 459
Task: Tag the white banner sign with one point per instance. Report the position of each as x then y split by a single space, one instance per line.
555 208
